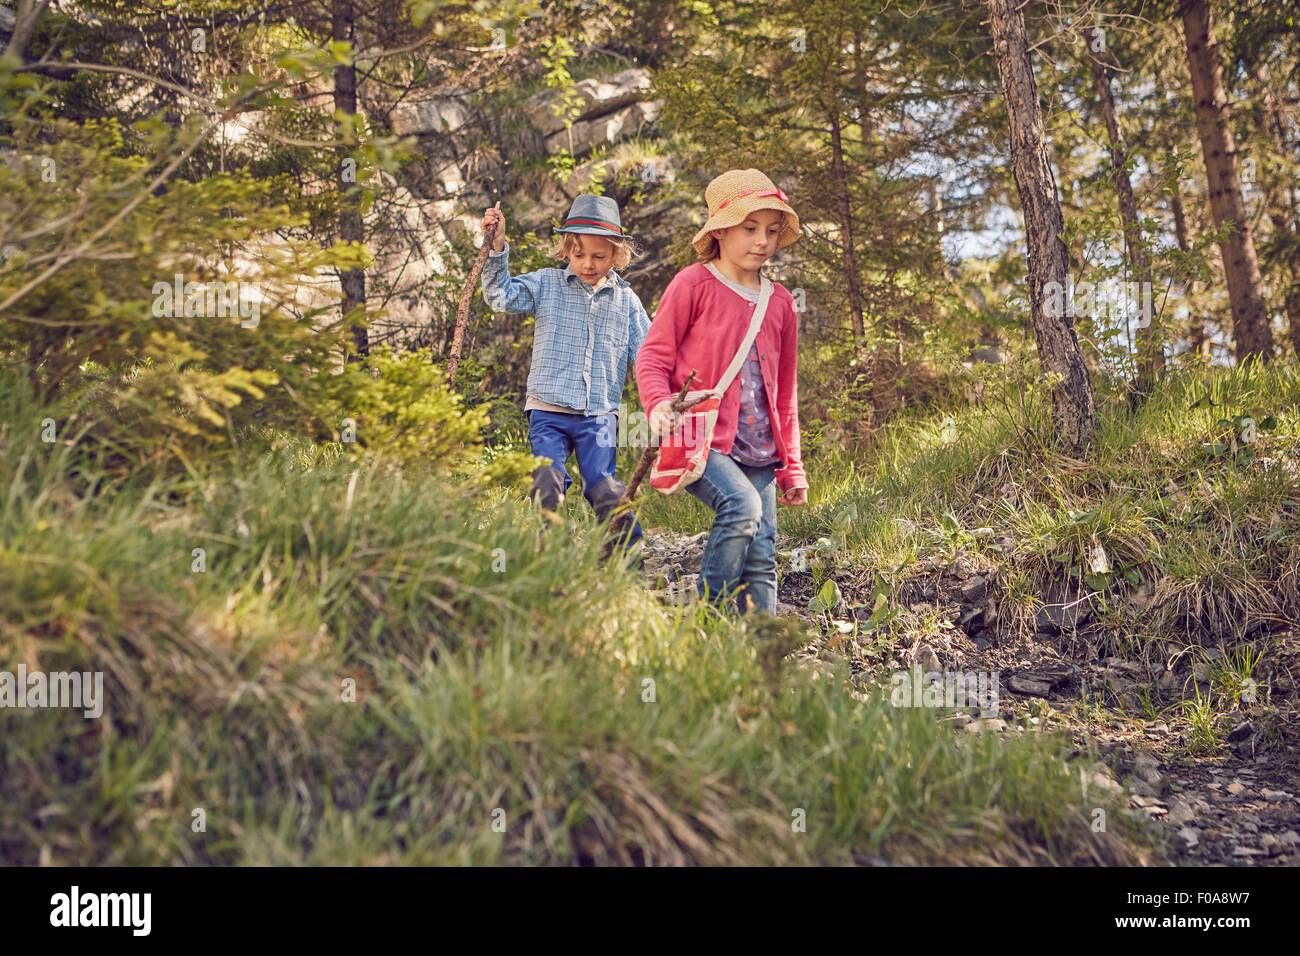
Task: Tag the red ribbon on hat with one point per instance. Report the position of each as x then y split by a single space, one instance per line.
749 192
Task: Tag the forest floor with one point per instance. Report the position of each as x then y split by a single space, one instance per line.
310 659
1238 804
1144 602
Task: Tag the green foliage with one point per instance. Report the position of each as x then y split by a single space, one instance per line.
398 405
371 664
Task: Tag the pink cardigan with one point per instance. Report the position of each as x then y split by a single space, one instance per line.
699 325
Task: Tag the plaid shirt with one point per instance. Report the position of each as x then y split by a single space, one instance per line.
583 342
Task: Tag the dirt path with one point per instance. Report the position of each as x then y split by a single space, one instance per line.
1233 802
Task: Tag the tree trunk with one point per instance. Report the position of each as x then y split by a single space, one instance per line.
1074 412
26 18
846 223
1250 327
343 28
1150 340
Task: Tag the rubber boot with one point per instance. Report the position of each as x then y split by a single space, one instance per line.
548 487
605 497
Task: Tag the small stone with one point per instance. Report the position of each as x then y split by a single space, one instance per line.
1240 732
1027 685
1275 796
1104 782
1190 836
1180 811
1246 851
995 724
1140 788
1236 788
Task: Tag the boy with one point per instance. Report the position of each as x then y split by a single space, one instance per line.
589 328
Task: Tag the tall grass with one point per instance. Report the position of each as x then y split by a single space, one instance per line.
371 666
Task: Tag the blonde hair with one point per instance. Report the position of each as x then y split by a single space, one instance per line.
714 251
567 243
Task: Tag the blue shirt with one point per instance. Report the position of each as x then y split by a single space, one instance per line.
583 342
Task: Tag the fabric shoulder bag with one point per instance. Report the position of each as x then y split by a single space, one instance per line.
684 454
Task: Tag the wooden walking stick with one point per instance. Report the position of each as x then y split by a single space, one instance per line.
622 510
462 309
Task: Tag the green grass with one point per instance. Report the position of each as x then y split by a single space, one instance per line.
1217 539
376 668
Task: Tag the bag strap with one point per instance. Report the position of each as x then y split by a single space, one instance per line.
755 322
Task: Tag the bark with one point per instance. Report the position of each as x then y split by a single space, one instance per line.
26 18
351 227
1250 325
1150 340
1074 412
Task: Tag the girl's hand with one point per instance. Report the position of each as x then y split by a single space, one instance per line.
795 496
491 216
663 420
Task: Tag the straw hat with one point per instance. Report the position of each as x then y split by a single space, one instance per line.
734 195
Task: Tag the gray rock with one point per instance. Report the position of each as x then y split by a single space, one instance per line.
1181 811
927 659
1240 732
1140 787
436 115
595 97
987 354
1053 619
1027 685
995 724
586 135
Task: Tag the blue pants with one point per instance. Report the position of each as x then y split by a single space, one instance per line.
740 556
555 435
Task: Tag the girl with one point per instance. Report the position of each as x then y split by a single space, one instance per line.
701 324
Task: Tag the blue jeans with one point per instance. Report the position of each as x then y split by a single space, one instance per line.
555 435
741 551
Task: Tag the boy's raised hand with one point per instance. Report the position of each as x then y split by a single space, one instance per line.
491 216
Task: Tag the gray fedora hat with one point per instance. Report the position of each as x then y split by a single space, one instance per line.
593 216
